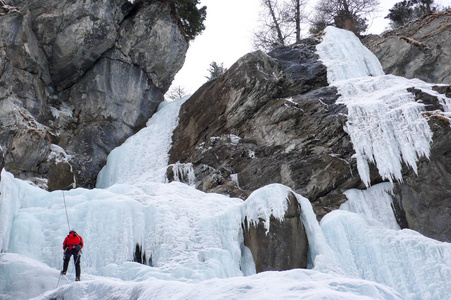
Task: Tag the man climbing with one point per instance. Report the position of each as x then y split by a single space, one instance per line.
72 245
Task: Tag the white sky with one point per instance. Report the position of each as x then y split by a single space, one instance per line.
228 36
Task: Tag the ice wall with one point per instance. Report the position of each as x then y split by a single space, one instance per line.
345 57
144 156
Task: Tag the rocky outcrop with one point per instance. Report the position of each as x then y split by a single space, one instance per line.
83 75
273 119
270 118
284 246
420 49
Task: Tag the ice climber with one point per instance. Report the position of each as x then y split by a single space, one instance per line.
72 245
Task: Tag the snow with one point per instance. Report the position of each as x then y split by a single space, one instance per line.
345 57
384 121
193 241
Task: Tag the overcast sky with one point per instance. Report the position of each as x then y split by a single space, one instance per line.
228 36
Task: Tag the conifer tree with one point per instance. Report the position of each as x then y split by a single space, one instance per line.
189 16
405 11
216 70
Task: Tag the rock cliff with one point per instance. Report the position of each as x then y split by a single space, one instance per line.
420 49
77 79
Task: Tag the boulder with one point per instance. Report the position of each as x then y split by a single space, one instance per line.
420 49
284 246
60 172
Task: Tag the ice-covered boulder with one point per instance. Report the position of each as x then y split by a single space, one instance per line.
277 241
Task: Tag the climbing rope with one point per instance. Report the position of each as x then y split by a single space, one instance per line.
65 207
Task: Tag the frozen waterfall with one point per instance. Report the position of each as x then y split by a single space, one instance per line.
384 120
193 241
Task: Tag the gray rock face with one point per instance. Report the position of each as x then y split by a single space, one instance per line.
284 246
86 75
109 103
25 142
156 47
421 49
73 34
270 118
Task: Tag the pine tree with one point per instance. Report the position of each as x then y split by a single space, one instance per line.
405 11
215 70
189 16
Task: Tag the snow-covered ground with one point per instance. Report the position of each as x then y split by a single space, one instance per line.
193 241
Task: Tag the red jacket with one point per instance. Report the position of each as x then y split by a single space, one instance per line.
73 239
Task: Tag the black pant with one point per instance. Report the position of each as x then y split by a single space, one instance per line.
67 256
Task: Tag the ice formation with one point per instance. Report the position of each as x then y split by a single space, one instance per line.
375 203
384 121
193 240
144 156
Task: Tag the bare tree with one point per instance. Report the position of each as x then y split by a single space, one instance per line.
281 23
346 14
297 17
176 93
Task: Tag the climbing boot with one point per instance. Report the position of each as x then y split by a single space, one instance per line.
77 278
63 273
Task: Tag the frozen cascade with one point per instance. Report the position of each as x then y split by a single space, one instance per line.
384 121
374 203
144 156
184 172
195 241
